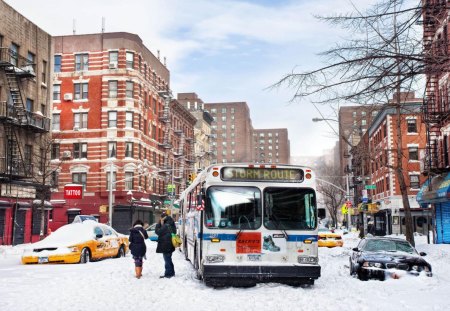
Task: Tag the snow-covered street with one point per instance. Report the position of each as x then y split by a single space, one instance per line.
110 285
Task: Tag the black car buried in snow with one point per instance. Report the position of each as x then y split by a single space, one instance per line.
382 257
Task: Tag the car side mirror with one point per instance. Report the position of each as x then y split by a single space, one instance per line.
355 249
422 254
99 236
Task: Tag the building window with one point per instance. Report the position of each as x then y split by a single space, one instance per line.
232 110
80 178
224 152
129 177
414 181
129 119
261 135
114 178
413 153
80 120
112 118
57 65
31 61
56 91
213 110
224 127
128 150
14 53
363 113
28 155
224 119
129 90
130 60
112 149
374 113
81 62
55 122
113 59
30 104
55 151
81 90
44 71
364 122
412 125
354 114
112 89
224 110
80 151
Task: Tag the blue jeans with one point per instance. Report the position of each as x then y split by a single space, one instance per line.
168 265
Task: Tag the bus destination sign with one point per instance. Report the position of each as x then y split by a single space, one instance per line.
261 174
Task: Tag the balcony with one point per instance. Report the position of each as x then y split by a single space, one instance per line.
21 66
34 121
15 169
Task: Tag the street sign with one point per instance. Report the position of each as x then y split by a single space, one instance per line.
73 191
371 187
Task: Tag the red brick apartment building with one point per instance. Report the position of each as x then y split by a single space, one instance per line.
25 90
435 194
113 110
378 160
233 131
271 146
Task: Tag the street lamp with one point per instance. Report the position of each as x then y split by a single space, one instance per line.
323 119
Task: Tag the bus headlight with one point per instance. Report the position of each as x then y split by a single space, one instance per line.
308 260
215 258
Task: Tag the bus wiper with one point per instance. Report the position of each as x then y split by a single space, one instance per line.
277 227
240 228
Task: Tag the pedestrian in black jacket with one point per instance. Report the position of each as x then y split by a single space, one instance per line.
164 230
137 238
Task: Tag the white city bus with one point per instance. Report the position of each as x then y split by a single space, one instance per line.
248 223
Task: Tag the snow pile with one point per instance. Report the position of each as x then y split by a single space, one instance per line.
110 285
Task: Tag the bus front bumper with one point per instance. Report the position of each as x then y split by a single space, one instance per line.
301 274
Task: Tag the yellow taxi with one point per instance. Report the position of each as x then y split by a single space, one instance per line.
328 238
77 243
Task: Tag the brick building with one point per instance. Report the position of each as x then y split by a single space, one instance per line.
353 123
113 110
436 38
375 163
233 131
271 146
25 89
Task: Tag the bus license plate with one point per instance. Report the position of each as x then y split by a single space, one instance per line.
42 259
254 257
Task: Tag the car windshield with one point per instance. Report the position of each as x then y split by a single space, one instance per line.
388 246
233 207
289 208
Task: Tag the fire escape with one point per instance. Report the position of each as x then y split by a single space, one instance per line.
16 120
437 106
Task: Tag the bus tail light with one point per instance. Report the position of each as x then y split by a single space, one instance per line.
308 176
215 173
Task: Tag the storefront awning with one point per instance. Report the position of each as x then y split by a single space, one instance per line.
438 190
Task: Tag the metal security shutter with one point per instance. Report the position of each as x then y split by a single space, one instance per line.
19 227
121 220
36 223
443 223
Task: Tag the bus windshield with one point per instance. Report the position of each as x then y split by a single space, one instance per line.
233 207
289 208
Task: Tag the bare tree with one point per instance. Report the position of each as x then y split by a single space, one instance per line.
44 174
332 190
382 57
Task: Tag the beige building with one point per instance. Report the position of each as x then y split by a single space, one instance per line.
203 148
25 143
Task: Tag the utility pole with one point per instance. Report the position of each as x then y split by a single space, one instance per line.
110 197
349 217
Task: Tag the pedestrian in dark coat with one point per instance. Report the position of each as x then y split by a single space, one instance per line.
137 238
164 230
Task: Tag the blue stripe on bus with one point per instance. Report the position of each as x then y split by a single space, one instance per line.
232 237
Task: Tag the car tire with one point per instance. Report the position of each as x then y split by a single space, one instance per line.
185 250
121 252
85 256
352 268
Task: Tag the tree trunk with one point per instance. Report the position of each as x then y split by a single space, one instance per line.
401 177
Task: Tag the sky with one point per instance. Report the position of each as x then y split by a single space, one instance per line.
110 285
223 50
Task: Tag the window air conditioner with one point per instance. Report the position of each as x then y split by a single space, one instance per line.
67 154
68 96
76 128
112 65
